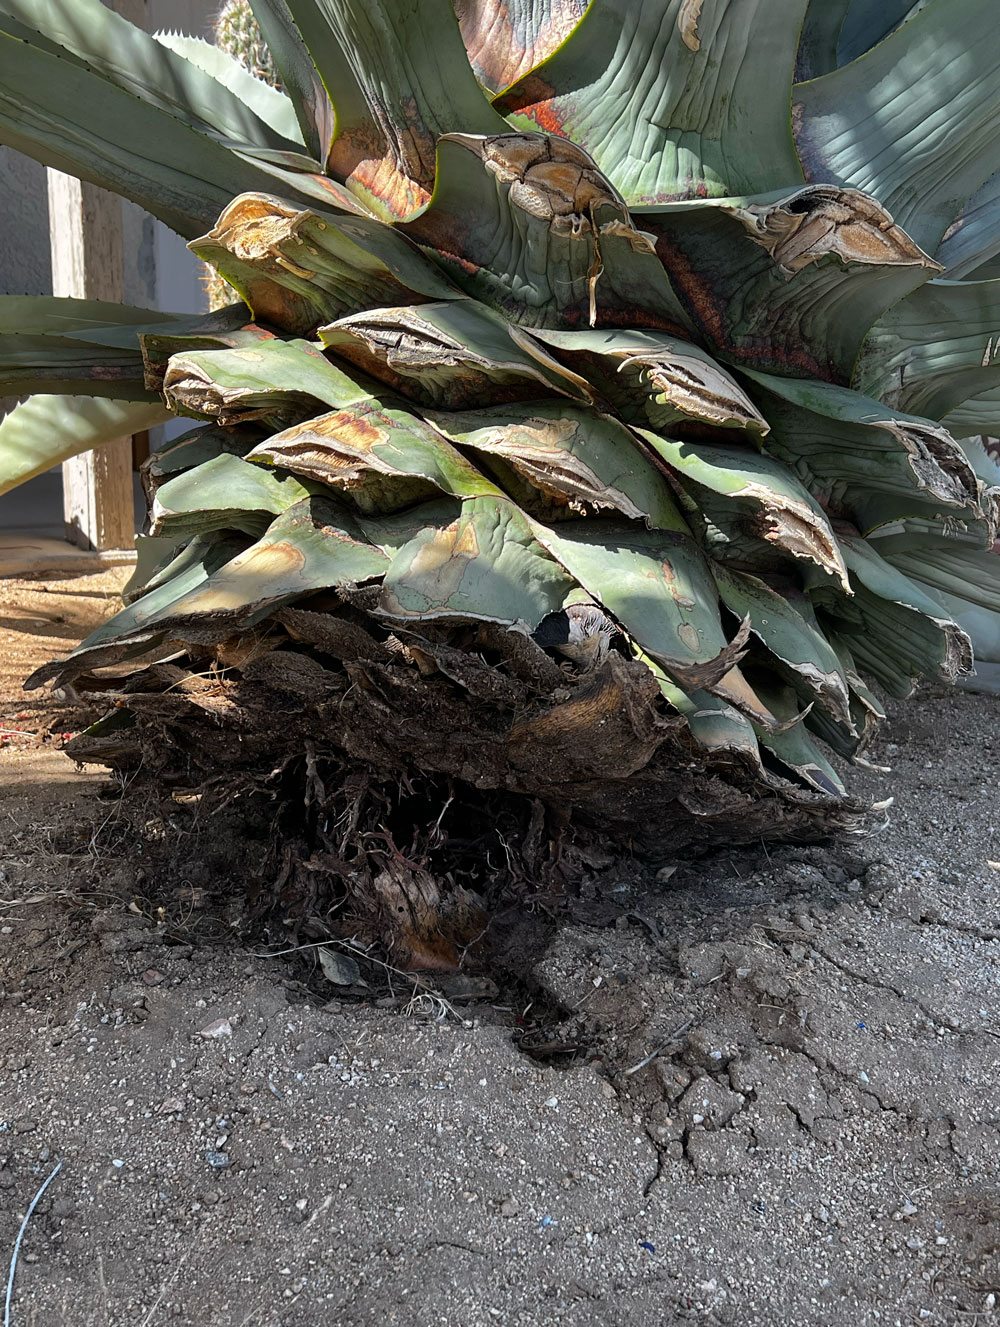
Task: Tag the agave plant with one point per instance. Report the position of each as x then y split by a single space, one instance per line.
583 424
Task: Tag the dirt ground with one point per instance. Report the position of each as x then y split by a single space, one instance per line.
780 1103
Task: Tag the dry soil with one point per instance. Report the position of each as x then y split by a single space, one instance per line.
762 1091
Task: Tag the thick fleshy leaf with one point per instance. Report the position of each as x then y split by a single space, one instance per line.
223 493
451 354
864 460
379 456
399 78
216 331
529 225
785 513
658 586
506 38
868 22
58 364
715 725
895 630
657 379
45 430
705 84
314 545
788 284
138 624
945 566
571 454
485 566
48 315
299 75
920 142
297 268
792 638
935 349
793 746
66 116
270 381
974 238
151 70
265 101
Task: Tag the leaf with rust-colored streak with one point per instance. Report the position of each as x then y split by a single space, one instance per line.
314 545
816 267
529 225
398 77
506 38
379 456
705 87
486 566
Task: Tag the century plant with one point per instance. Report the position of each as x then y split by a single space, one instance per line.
588 422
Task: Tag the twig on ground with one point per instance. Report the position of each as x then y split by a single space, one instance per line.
17 1243
660 1049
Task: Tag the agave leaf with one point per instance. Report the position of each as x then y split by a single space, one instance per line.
935 349
151 70
262 382
152 559
922 145
527 224
897 631
485 566
506 38
973 239
379 456
657 379
216 331
572 454
863 459
707 104
870 21
786 514
450 354
297 268
816 267
223 493
194 448
938 565
792 745
68 117
48 315
266 102
58 364
794 642
399 78
819 39
45 430
658 586
715 725
314 545
299 75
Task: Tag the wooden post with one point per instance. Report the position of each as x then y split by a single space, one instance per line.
88 262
